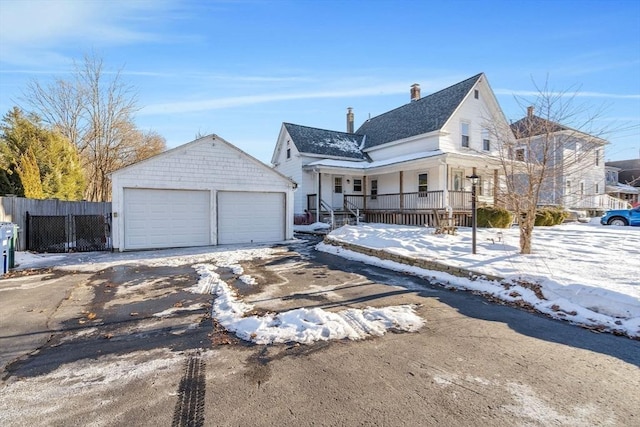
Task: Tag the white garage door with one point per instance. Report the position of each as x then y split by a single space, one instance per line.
249 217
166 218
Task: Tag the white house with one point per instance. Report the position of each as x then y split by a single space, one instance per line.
574 163
615 186
402 164
206 192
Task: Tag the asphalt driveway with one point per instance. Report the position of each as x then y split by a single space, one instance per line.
127 344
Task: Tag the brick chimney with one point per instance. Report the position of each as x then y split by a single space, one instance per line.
530 110
349 120
415 92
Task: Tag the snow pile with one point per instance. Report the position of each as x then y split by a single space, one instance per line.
576 272
299 325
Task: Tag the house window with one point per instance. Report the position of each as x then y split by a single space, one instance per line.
464 131
582 188
597 188
476 94
422 185
520 154
486 143
337 185
374 189
597 157
288 153
357 185
568 187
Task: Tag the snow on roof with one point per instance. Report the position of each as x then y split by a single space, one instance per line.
377 163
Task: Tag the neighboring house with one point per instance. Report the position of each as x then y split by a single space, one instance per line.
401 165
206 192
574 164
622 188
629 172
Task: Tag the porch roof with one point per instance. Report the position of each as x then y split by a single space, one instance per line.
461 159
622 188
362 166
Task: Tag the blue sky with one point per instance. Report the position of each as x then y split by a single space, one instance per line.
241 68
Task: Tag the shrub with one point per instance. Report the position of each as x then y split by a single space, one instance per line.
493 217
547 217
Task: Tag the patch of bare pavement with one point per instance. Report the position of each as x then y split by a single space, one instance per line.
128 345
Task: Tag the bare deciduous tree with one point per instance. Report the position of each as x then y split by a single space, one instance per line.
95 112
551 157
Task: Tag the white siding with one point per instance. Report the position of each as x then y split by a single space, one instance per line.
208 164
292 168
475 112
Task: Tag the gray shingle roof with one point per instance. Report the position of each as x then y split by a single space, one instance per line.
418 117
534 125
326 142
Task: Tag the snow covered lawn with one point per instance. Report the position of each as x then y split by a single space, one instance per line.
584 273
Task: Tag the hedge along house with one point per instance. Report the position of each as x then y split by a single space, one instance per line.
206 192
402 165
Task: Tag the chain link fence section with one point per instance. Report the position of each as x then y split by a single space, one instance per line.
68 233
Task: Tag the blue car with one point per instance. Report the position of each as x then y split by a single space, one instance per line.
622 217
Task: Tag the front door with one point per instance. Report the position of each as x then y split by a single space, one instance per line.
338 192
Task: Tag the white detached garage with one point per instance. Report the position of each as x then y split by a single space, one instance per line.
206 192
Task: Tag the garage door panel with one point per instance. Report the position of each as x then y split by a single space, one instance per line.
166 218
245 217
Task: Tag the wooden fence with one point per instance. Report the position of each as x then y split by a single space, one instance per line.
14 209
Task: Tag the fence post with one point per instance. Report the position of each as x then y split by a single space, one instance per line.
26 231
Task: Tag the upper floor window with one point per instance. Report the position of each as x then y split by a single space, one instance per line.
464 131
357 185
374 189
486 142
423 185
597 188
597 154
288 153
337 185
476 94
520 154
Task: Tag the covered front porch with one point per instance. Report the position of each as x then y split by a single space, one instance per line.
411 193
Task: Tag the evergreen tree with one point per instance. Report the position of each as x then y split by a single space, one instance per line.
37 162
29 174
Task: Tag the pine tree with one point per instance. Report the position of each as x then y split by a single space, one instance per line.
37 162
29 174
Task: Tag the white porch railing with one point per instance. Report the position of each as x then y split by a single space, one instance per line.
598 202
324 206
